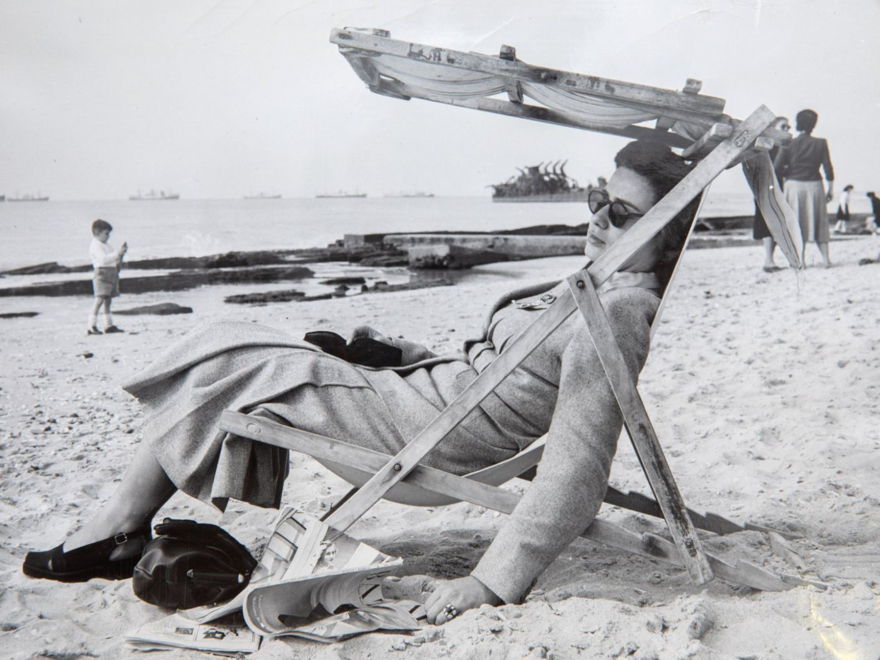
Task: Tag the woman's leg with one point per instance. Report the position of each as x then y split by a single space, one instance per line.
144 489
769 247
823 250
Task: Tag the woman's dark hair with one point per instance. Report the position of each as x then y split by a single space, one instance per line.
654 161
806 120
101 225
663 169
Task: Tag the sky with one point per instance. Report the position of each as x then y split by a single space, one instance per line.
217 99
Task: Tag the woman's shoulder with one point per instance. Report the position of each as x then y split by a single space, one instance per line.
811 139
630 301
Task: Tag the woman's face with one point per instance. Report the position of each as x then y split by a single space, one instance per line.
636 194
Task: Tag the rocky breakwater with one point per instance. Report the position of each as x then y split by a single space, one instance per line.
182 273
176 281
466 250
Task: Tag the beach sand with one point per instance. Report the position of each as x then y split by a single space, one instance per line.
763 389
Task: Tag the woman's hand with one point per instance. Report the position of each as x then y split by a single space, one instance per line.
452 597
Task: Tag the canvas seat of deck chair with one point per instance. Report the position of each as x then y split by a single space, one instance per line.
684 120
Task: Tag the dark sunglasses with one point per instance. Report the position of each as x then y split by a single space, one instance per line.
618 212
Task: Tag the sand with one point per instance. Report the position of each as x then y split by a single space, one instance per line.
762 387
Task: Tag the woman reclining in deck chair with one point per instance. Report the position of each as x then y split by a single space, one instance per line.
560 389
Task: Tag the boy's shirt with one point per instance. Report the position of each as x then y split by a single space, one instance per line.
102 255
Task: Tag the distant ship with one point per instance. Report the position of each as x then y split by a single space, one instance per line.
412 194
154 196
340 194
262 196
29 198
540 183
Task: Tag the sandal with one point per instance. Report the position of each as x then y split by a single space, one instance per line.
93 331
111 329
87 562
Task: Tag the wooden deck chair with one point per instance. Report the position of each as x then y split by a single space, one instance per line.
683 119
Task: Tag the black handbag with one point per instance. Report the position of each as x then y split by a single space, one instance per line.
360 350
189 564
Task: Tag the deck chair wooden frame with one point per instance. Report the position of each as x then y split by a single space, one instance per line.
720 145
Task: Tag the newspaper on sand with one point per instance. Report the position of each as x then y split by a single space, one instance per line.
177 632
398 616
327 571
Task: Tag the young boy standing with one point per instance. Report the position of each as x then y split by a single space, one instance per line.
105 282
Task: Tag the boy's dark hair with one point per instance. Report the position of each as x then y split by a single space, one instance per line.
806 120
100 225
663 169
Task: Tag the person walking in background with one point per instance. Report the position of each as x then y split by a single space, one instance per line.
760 232
872 222
843 210
105 281
797 166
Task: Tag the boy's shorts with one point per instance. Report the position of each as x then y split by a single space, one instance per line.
106 282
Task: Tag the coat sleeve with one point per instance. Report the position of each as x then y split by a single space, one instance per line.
573 474
781 163
826 162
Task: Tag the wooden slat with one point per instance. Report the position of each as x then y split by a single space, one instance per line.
491 497
361 458
640 429
708 141
688 106
335 451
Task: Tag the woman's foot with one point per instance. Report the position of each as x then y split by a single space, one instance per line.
112 558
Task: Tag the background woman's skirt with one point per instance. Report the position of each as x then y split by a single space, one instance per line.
759 228
807 200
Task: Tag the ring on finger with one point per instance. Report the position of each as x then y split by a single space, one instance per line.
450 610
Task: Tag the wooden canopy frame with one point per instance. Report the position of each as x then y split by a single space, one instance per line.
684 120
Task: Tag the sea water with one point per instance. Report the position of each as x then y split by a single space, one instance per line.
39 232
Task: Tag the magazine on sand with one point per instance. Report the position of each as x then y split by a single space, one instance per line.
176 631
310 582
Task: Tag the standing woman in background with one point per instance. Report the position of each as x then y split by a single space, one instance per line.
760 231
797 166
